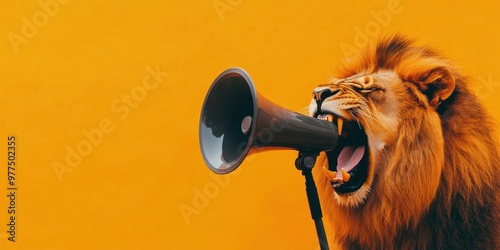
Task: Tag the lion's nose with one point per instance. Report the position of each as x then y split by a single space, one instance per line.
321 94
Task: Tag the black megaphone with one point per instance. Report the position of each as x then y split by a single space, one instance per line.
236 121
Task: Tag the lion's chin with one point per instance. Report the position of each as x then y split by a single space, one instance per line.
354 199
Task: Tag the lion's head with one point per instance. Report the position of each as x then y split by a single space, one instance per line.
409 144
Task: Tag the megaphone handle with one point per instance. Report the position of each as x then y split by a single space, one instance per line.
306 162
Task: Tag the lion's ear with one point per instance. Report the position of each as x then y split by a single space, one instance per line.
437 84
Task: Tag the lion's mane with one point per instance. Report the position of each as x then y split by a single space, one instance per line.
437 182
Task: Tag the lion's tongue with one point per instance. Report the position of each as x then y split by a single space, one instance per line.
349 157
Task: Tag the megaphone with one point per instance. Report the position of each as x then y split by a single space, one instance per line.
236 121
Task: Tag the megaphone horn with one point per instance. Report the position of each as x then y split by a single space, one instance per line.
236 121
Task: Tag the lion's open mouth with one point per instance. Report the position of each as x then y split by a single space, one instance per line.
348 162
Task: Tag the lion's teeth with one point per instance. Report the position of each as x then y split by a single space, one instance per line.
345 176
340 124
331 175
329 118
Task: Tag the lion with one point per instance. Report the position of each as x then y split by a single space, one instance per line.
417 162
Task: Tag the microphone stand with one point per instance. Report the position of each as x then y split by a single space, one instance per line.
305 162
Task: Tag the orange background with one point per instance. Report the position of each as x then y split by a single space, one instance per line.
72 70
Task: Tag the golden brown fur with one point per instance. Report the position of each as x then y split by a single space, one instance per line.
434 182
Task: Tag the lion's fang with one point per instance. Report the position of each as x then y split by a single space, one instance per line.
332 175
340 124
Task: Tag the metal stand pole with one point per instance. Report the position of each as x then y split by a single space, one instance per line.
305 162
